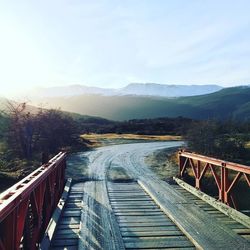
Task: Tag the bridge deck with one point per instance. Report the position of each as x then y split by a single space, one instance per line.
124 216
219 216
67 230
142 223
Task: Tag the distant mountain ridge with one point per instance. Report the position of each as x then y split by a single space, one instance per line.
137 89
154 89
224 104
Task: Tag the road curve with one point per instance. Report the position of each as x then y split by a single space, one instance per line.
129 156
203 231
96 201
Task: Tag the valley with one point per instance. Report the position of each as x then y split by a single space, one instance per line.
228 103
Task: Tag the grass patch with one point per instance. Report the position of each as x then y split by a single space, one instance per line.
163 163
118 174
2 146
247 146
7 181
14 170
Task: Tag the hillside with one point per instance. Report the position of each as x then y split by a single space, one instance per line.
226 103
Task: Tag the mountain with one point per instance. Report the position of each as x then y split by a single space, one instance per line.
138 89
223 104
154 89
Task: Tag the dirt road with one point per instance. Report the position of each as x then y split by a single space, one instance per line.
128 156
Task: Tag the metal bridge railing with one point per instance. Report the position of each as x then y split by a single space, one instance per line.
26 207
226 174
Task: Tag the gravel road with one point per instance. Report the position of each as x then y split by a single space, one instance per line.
129 156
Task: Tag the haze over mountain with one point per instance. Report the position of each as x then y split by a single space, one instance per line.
223 104
138 89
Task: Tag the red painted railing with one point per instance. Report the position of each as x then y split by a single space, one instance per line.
226 174
26 207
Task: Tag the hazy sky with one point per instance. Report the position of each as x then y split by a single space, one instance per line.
112 43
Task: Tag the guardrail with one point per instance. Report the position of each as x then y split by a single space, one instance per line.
226 174
26 207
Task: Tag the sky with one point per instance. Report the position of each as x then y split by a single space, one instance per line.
115 42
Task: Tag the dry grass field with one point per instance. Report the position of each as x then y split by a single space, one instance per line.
132 137
248 145
98 140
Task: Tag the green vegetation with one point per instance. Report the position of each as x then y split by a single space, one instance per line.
226 140
157 126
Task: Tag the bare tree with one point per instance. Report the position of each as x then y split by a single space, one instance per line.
20 131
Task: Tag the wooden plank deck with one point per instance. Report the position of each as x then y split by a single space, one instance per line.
67 230
100 215
143 226
203 229
219 216
99 228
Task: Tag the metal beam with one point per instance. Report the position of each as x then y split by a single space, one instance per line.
24 211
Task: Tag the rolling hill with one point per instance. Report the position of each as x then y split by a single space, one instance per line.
223 104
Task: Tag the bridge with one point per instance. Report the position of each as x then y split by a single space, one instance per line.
46 211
